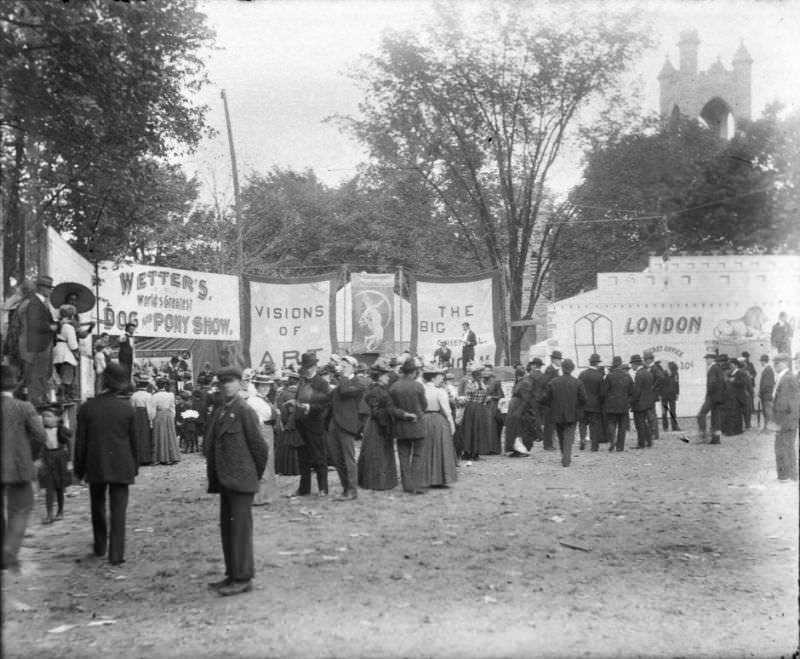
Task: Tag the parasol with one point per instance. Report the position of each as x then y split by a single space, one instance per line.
60 293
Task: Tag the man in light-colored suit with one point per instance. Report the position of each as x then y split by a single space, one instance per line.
23 439
785 411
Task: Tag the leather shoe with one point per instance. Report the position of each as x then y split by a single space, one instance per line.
216 585
235 588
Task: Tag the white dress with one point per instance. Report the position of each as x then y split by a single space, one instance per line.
268 485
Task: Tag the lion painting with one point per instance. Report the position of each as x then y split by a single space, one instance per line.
749 326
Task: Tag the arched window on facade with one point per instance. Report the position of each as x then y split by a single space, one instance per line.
593 333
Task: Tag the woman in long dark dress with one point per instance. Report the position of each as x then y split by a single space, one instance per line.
732 422
377 469
494 392
478 426
287 461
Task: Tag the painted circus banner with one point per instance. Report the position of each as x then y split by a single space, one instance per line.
165 302
291 316
373 312
440 306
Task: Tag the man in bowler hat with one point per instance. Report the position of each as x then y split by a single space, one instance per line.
408 395
37 334
23 440
617 394
592 379
106 458
236 457
642 400
565 397
715 397
553 370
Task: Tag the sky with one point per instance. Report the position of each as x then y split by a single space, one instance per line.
283 67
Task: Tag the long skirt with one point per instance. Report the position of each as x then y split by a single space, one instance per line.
144 435
478 429
268 485
376 463
439 451
165 441
287 461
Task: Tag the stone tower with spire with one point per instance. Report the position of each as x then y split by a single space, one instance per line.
719 96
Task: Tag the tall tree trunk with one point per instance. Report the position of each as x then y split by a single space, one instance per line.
13 221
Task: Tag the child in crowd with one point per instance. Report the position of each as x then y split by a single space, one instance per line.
186 420
54 473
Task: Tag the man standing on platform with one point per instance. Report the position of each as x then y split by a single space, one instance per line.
715 397
785 410
236 457
344 426
565 397
641 402
22 440
38 330
592 379
552 371
617 394
469 341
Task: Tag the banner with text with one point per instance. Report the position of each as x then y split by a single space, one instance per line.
291 316
373 312
441 305
165 302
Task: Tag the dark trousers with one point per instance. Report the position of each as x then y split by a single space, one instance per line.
236 531
616 427
549 429
342 455
412 466
17 505
652 422
306 465
596 428
118 507
668 413
467 356
641 420
766 409
36 374
785 454
566 438
716 417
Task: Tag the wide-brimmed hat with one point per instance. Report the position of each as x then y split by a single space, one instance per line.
262 378
350 360
8 377
115 377
308 360
595 359
229 373
556 354
636 359
85 298
430 369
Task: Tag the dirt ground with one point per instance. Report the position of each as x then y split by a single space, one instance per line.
682 550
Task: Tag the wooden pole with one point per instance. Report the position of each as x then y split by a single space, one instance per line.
236 202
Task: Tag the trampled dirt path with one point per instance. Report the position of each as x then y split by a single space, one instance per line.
683 550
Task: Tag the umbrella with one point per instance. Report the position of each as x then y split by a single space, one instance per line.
60 293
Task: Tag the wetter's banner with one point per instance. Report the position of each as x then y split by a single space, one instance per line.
291 316
373 312
441 305
165 302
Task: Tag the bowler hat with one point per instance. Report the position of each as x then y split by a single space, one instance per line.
44 280
229 373
746 354
764 358
536 361
595 359
723 358
616 361
409 365
308 360
635 359
115 377
556 354
8 377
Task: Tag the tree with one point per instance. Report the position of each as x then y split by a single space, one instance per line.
479 110
668 186
94 101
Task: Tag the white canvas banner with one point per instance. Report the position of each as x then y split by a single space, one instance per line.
165 302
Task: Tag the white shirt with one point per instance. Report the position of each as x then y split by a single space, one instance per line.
778 378
262 408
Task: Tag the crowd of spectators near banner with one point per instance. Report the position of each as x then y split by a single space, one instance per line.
362 420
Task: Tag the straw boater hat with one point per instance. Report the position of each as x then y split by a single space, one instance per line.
262 378
430 369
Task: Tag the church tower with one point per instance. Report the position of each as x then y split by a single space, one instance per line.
718 96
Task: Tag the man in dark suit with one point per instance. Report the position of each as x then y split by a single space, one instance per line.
538 384
236 457
409 396
309 408
766 385
715 397
106 458
344 424
739 379
617 393
469 341
642 400
36 340
785 410
592 379
658 384
553 370
565 397
23 439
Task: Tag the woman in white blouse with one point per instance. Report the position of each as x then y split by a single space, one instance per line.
440 452
165 439
267 415
65 352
